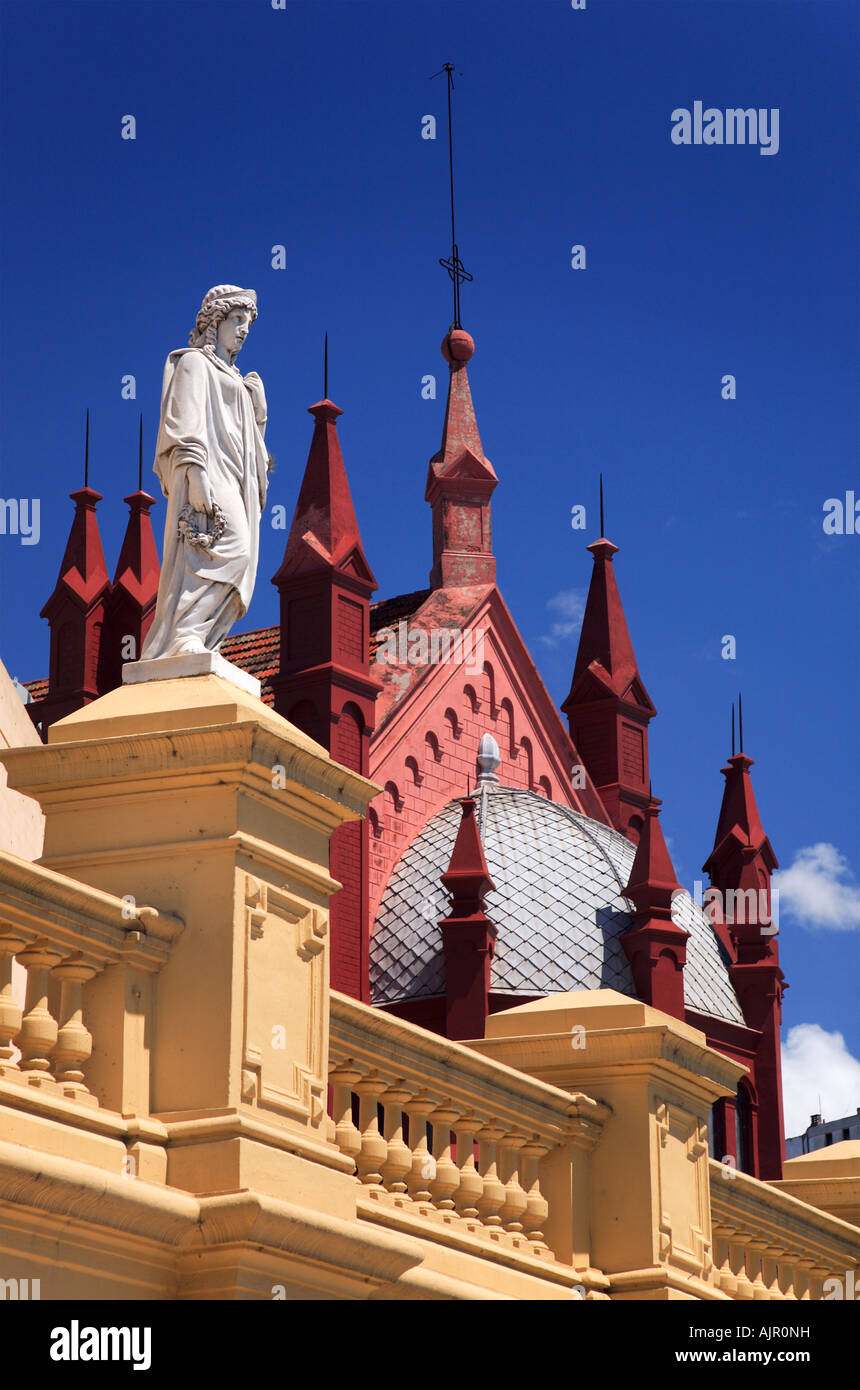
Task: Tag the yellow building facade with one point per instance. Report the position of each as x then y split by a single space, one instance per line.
189 1111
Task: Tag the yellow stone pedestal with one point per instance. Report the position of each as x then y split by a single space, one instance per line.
195 798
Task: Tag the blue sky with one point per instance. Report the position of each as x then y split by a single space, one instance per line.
302 127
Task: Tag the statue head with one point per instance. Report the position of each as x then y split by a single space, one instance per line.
225 316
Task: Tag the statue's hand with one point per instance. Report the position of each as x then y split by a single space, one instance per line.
258 396
199 494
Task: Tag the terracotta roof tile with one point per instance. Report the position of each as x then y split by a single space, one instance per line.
258 652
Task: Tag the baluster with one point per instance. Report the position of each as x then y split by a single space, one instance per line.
537 1207
374 1149
817 1276
347 1136
516 1201
755 1249
737 1251
471 1183
723 1277
785 1274
771 1257
492 1198
802 1268
398 1161
446 1179
423 1164
11 1013
38 1027
74 1042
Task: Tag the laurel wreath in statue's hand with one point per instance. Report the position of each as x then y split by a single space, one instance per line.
201 530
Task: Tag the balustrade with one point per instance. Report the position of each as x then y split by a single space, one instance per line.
53 1046
462 1139
63 934
770 1246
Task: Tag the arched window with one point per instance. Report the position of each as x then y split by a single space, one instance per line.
743 1129
526 746
453 722
506 719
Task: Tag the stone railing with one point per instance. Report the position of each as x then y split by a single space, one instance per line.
457 1148
769 1245
65 935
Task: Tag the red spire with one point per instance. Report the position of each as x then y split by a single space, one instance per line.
739 828
656 947
468 936
740 867
131 605
324 533
604 641
75 612
608 707
323 683
460 482
83 572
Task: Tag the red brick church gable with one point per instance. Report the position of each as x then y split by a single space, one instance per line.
430 720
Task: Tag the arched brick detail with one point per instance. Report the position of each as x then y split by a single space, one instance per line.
432 747
506 738
526 746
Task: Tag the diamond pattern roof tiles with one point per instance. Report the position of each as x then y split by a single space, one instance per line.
557 905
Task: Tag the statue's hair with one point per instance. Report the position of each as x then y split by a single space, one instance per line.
217 304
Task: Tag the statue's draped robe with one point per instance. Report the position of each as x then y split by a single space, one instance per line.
207 418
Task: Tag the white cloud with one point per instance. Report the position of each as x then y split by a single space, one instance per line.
819 1076
569 604
819 889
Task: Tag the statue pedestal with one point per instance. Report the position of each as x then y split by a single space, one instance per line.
189 664
193 797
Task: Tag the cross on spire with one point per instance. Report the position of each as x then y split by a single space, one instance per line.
454 266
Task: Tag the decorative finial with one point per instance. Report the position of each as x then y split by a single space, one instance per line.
740 722
87 452
453 264
601 506
733 728
489 758
325 369
140 454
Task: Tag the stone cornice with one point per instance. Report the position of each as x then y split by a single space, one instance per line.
75 917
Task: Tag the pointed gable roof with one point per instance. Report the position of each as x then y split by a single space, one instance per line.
605 659
653 881
137 569
83 576
461 453
739 825
324 531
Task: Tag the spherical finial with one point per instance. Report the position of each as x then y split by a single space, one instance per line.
457 346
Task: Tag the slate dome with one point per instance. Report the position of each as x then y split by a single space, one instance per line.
558 906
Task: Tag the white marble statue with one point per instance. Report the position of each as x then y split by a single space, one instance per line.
213 466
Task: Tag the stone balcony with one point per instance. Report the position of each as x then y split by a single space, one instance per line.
187 1110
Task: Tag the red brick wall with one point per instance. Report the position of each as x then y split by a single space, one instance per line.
445 761
347 845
